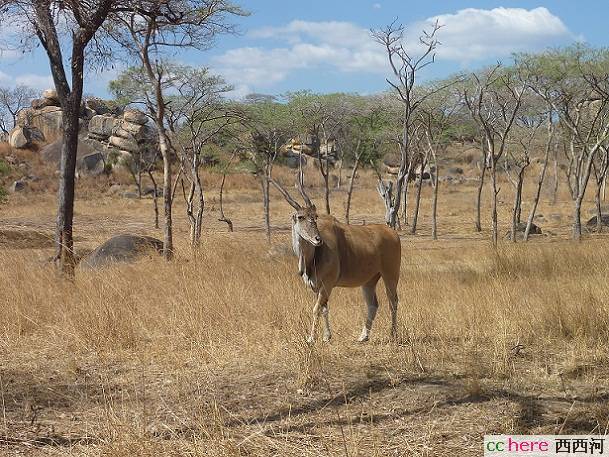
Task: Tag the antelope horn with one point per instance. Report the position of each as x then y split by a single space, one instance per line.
285 194
301 185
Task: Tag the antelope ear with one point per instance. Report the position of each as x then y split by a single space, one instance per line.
294 217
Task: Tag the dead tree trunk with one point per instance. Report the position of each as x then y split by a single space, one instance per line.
352 180
478 223
417 201
155 198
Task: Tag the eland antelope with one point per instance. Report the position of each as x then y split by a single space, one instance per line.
331 254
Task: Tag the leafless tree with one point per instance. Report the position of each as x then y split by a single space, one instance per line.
153 28
197 113
405 67
494 102
13 99
65 29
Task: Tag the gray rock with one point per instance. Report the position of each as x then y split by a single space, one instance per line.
135 116
39 103
591 224
102 125
130 195
455 170
18 186
520 229
48 120
51 153
18 138
50 94
150 191
92 164
124 248
292 160
124 144
98 105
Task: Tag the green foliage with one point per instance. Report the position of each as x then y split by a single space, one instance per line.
5 168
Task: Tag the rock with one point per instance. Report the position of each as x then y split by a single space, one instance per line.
50 94
48 120
131 130
135 116
124 248
98 105
591 224
455 170
150 191
51 153
130 195
520 228
102 126
114 189
124 143
92 164
18 138
292 160
18 186
39 103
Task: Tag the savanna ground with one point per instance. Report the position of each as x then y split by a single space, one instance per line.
206 355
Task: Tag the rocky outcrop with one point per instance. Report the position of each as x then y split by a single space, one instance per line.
108 136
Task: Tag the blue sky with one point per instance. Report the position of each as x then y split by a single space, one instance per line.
325 45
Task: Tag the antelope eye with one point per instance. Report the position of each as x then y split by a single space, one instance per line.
300 217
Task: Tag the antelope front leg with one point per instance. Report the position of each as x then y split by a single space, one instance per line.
321 303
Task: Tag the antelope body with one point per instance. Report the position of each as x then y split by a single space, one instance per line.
332 254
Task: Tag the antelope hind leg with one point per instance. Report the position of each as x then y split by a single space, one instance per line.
372 303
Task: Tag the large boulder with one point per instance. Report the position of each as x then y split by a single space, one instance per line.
48 120
18 138
124 248
100 106
51 95
292 160
520 229
124 144
92 164
22 137
591 224
101 126
51 153
135 116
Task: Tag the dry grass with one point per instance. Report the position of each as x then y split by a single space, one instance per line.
206 355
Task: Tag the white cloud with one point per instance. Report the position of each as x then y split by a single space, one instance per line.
332 45
467 36
472 34
376 6
40 82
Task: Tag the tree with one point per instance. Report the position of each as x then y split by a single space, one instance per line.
575 83
267 128
65 30
494 102
197 113
147 33
365 133
323 119
436 119
405 68
12 99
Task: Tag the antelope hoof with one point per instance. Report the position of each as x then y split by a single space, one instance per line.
327 337
363 338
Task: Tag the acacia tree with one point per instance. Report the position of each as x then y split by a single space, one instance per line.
365 134
12 99
494 104
197 113
436 118
267 128
575 82
323 119
405 67
65 30
153 28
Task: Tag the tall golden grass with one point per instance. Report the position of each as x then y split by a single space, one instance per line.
206 355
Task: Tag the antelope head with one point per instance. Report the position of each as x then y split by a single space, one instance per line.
305 233
304 224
